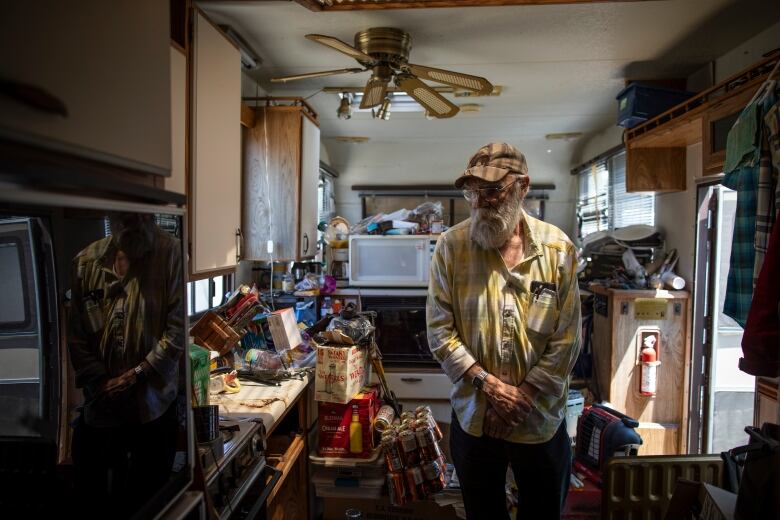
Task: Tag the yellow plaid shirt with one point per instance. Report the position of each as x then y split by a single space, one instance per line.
480 311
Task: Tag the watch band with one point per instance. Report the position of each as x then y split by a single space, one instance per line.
479 380
140 373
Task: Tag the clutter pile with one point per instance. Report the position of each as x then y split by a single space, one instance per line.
628 258
421 220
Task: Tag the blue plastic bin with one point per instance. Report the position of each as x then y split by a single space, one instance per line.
637 103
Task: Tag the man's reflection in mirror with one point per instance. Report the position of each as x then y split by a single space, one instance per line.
125 340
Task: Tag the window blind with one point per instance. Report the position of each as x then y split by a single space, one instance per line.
593 199
628 208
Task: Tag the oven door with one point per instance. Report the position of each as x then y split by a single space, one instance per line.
401 333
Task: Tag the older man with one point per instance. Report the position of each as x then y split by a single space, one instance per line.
504 322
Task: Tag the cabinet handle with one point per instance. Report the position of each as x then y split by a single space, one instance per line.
411 379
239 242
33 97
305 243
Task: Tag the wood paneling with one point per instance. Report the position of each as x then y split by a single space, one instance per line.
270 197
659 439
616 358
655 169
247 116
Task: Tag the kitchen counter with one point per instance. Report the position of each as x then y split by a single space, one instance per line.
269 403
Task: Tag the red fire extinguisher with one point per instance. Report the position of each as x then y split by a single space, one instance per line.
649 379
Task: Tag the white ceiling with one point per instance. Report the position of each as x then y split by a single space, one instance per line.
560 65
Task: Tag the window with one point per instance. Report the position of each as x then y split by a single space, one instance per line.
207 294
603 204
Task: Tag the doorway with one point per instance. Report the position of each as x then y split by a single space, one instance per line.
722 395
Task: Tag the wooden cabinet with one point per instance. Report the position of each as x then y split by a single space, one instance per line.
214 195
655 169
289 499
620 318
716 123
105 69
767 401
177 181
280 178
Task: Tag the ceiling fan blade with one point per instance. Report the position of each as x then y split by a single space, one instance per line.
456 79
335 43
374 93
433 102
285 79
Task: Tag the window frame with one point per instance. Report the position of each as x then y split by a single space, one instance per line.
228 281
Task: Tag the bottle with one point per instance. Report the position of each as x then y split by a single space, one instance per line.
355 432
330 378
326 307
288 284
336 307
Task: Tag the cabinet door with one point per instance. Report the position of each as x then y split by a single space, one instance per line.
310 175
177 181
716 124
107 63
215 190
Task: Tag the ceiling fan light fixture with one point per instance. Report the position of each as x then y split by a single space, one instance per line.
384 110
345 106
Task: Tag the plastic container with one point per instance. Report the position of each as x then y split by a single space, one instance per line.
574 406
637 103
335 467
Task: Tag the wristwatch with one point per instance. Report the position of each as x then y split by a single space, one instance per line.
479 380
140 374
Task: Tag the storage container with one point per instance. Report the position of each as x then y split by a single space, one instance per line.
637 103
574 405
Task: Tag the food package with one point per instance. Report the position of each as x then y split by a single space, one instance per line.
342 370
346 429
199 366
284 329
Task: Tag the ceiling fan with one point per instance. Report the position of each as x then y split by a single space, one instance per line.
385 52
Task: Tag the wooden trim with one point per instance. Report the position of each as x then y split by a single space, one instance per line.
178 47
188 111
298 184
247 116
286 462
351 5
747 78
297 103
202 275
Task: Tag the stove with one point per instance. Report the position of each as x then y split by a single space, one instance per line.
235 469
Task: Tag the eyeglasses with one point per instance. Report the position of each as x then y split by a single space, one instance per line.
490 194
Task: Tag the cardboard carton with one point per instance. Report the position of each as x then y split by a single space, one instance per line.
342 436
340 373
284 329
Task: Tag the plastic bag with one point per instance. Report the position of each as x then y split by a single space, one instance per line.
304 312
359 328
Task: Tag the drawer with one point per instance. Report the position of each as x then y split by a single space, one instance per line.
418 385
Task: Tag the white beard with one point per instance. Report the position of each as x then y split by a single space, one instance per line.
493 227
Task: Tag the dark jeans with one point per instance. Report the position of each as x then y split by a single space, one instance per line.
541 472
118 470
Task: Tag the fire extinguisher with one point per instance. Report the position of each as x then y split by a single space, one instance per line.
649 379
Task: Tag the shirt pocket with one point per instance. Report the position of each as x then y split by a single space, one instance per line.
542 314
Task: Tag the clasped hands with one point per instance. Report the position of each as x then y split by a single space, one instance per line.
114 387
508 406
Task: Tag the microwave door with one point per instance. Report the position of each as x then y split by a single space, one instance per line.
28 353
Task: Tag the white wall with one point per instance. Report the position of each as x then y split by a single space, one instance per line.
675 215
440 162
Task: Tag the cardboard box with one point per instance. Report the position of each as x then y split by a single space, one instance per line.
337 423
380 508
284 329
716 503
340 373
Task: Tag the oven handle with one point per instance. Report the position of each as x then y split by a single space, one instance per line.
411 379
276 474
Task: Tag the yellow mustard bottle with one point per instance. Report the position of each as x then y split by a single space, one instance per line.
355 432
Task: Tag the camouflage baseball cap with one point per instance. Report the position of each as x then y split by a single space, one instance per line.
493 162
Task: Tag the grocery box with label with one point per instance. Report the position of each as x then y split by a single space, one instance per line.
340 373
346 429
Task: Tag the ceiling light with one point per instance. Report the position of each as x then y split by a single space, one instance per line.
351 138
549 151
384 110
565 136
345 106
470 107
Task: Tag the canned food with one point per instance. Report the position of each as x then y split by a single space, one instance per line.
392 454
415 483
396 487
409 451
433 476
384 418
428 416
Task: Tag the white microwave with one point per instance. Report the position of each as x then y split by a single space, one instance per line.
390 261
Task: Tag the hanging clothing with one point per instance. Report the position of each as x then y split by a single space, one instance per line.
748 170
761 339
